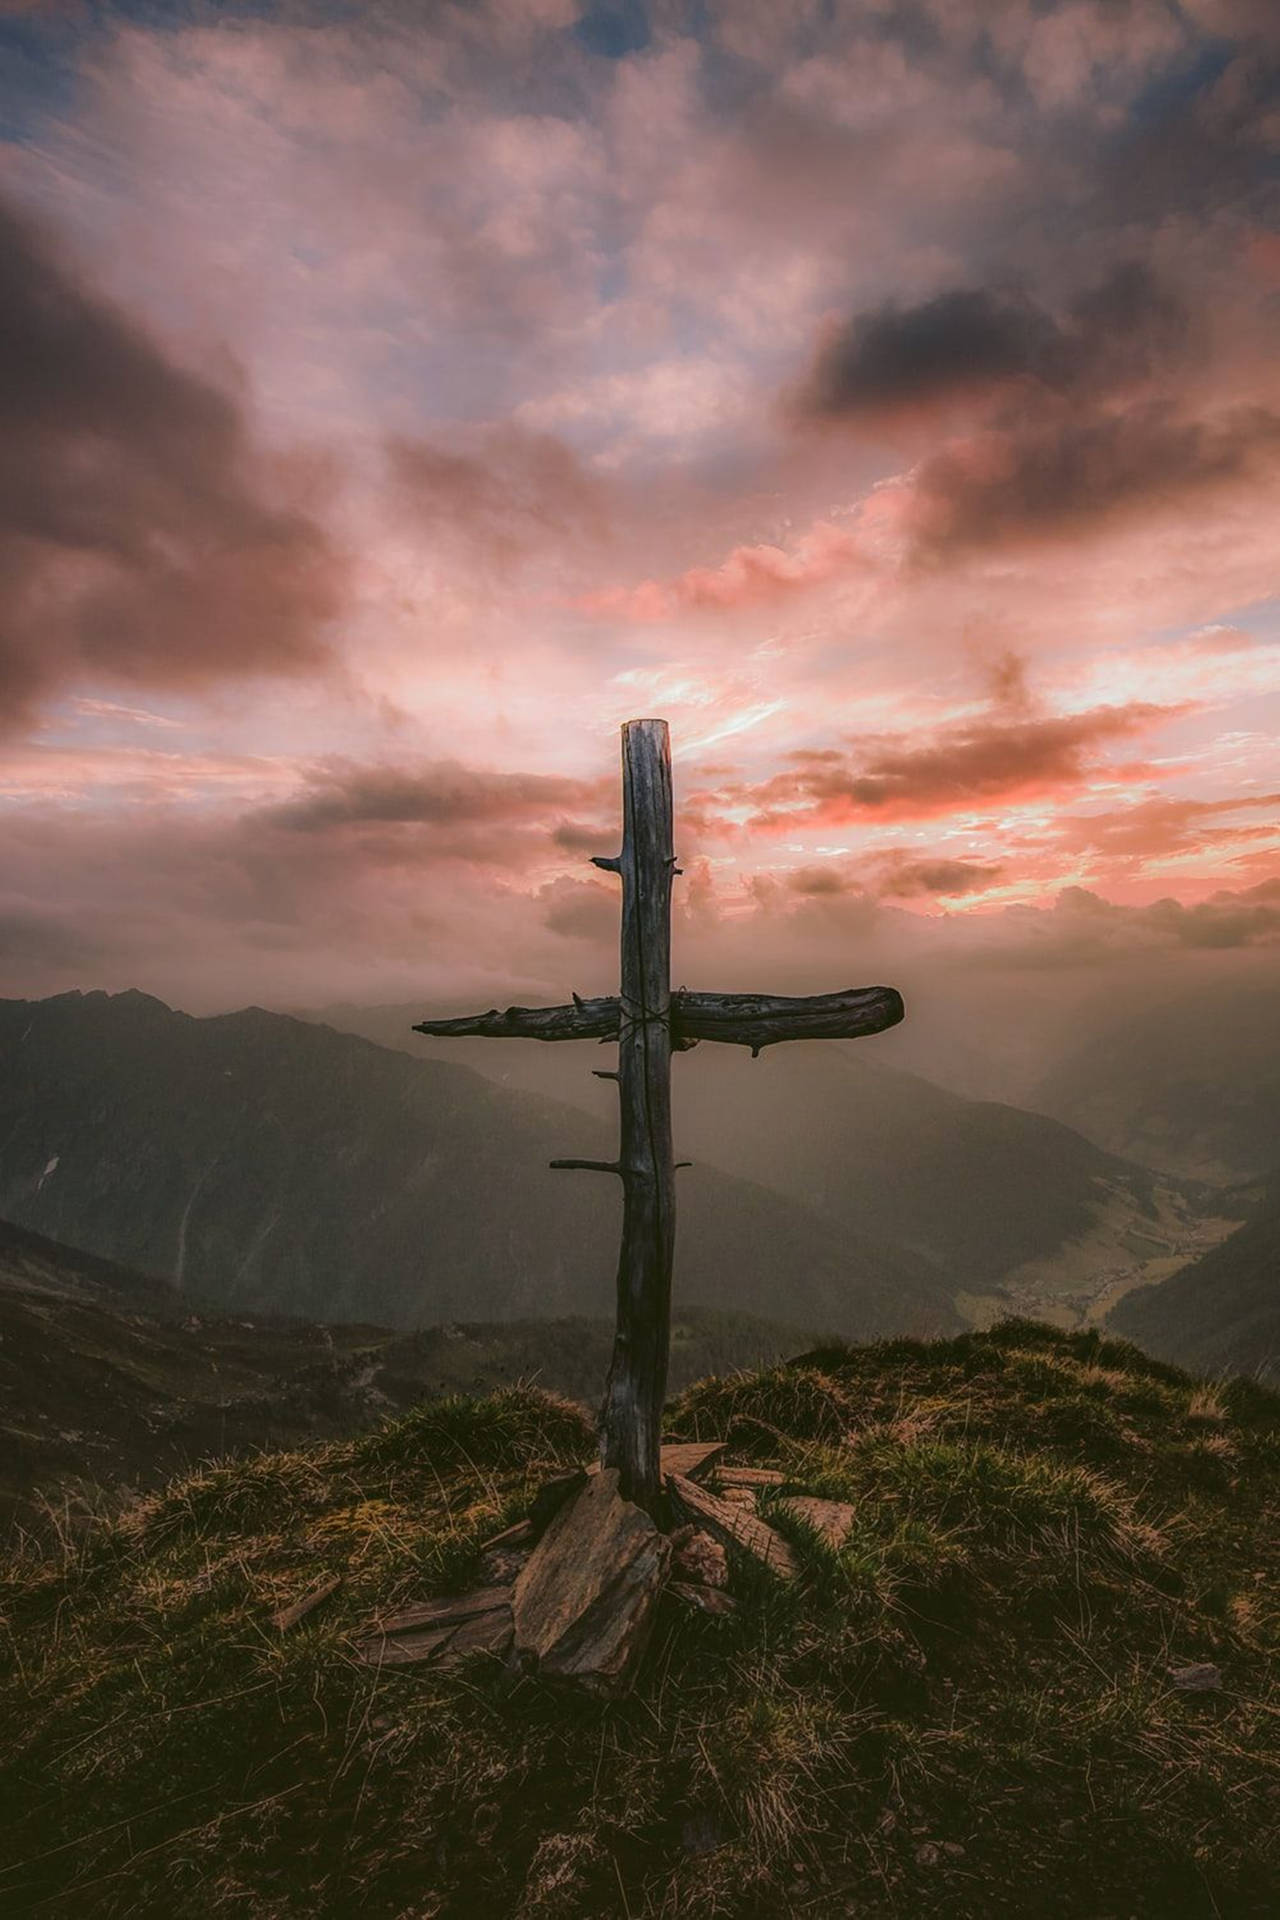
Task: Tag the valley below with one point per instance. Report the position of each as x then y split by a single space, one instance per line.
247 1231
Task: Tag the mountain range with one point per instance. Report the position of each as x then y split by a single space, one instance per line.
1188 1082
1017 1210
266 1164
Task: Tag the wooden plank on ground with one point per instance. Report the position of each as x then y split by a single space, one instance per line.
734 1526
289 1616
442 1630
448 1611
583 1603
691 1459
749 1477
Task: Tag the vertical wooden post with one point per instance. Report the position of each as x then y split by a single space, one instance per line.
631 1418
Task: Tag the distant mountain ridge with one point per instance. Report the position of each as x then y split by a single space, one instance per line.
1190 1083
1009 1204
271 1165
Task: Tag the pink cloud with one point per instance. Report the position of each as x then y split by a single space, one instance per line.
749 576
1001 756
536 309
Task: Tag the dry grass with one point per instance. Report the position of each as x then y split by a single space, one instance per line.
964 1711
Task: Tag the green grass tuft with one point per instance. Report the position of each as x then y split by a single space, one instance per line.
964 1710
505 1429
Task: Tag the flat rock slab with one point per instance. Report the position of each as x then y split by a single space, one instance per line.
832 1520
583 1604
441 1630
734 1526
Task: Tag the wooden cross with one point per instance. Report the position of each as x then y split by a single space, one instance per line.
649 1022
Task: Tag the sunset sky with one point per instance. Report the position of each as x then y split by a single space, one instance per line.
397 397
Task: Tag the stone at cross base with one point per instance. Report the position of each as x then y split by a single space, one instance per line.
572 1621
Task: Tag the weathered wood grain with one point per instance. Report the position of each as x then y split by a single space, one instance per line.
518 1536
748 1477
636 1389
649 1021
583 1604
584 1020
449 1611
754 1020
693 1459
734 1526
445 1630
759 1020
403 1650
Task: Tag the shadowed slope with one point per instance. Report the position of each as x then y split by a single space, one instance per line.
108 1383
969 1709
266 1164
1222 1313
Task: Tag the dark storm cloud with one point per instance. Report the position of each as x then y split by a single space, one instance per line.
1208 143
907 879
1226 919
898 357
901 876
1087 418
822 882
45 939
1057 476
443 794
139 541
577 836
970 339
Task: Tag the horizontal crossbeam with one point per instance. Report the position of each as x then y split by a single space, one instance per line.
754 1020
584 1020
759 1020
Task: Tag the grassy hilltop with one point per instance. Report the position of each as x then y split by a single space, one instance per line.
967 1710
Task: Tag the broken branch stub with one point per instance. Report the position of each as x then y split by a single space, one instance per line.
584 1020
